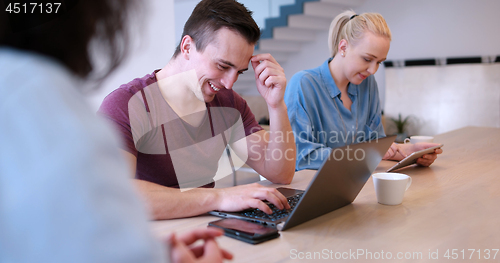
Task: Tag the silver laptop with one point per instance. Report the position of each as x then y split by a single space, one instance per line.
335 185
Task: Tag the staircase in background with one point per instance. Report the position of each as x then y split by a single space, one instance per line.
297 24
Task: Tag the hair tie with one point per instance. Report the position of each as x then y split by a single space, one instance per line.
353 16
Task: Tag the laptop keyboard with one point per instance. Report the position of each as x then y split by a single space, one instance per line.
277 213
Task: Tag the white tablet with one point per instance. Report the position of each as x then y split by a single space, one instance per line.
412 158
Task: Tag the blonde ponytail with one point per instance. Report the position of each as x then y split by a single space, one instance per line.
351 27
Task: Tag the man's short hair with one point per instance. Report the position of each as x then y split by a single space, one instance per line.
211 15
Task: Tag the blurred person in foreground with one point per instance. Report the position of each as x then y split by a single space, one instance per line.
65 195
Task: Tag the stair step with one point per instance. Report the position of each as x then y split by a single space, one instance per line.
309 22
323 9
279 45
280 56
282 20
346 3
294 34
314 8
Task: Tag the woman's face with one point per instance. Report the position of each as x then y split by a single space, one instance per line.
364 58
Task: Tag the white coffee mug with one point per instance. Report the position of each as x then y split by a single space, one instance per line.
418 138
390 187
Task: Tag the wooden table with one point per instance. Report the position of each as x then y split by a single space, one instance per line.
451 209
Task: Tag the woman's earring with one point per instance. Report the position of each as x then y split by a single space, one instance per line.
342 54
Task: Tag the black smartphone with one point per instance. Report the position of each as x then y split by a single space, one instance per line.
249 232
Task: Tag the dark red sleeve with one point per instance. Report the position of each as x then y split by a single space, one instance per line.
114 108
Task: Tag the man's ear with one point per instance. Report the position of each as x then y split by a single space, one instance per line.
187 45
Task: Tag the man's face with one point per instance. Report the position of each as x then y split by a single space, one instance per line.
220 64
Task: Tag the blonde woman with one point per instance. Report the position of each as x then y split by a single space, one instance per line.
337 103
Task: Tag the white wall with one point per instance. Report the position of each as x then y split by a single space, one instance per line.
154 47
422 29
443 28
431 29
443 98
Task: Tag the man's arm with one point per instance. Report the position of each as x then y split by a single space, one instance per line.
272 154
167 203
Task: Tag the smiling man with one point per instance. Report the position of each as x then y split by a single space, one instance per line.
177 121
